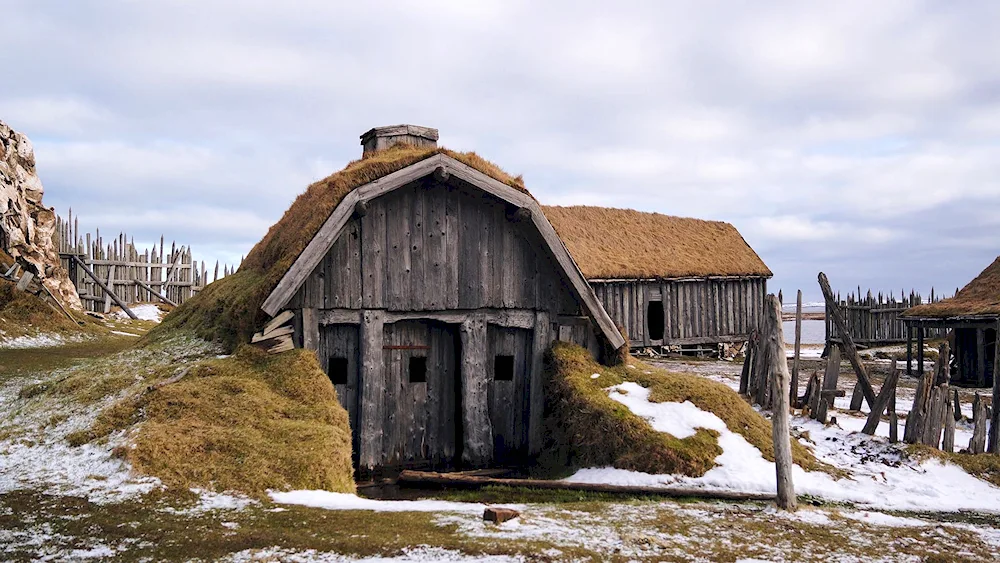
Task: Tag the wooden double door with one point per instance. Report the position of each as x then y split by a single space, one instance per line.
421 377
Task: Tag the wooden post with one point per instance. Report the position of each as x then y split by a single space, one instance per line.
536 397
371 405
798 345
920 349
995 415
779 415
980 357
948 443
111 284
476 427
909 349
847 340
857 397
978 442
881 402
310 329
893 419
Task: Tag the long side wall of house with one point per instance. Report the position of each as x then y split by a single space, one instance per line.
694 311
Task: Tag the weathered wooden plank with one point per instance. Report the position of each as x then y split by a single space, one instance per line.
882 401
540 344
310 329
373 258
372 387
478 434
849 347
994 441
780 431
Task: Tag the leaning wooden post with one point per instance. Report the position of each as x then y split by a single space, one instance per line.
794 388
779 414
978 442
847 341
994 445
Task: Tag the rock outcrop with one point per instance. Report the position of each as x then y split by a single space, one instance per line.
27 226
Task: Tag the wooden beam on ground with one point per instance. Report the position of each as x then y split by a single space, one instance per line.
779 414
459 480
106 289
850 349
143 285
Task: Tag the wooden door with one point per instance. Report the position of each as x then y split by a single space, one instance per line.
338 355
422 426
509 365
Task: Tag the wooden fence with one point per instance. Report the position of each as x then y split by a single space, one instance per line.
874 320
134 276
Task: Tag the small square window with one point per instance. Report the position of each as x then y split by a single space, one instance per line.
337 369
418 369
503 368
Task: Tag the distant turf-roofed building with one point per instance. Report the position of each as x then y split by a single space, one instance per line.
668 281
973 314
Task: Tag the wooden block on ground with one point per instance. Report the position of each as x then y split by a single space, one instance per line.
499 515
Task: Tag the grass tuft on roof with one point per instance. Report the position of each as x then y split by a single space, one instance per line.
980 297
228 311
585 427
610 243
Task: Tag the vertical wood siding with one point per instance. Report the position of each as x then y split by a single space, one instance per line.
701 311
509 400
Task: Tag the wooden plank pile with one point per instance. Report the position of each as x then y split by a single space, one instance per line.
277 334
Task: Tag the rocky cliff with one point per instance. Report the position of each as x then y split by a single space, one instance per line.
27 226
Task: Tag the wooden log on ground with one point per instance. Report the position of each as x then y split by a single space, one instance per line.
995 417
850 349
978 442
882 401
779 415
794 387
410 477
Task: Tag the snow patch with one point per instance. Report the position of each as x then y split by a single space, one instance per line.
144 312
420 554
344 501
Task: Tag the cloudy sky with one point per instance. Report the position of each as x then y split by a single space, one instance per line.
860 139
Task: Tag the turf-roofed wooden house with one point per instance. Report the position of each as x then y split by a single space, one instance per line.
430 295
667 281
973 315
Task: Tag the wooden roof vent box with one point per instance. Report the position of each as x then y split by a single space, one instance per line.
379 138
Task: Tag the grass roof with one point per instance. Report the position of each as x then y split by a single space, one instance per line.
624 243
981 297
229 311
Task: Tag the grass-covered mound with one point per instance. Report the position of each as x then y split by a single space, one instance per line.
228 311
586 427
247 422
22 313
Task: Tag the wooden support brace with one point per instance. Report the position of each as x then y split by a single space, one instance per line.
106 289
850 349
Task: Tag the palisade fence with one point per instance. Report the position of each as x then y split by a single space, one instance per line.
134 276
874 320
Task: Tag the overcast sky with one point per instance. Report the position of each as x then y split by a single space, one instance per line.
860 139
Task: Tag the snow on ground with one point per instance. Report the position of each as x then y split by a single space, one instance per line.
145 312
419 554
345 501
882 476
34 452
40 340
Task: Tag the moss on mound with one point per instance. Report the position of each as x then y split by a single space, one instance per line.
586 427
248 422
22 313
228 311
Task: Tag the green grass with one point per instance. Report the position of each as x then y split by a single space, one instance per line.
588 428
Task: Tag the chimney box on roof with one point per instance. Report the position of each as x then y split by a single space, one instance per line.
380 138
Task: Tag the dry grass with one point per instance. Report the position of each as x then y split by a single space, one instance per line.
588 428
624 243
23 313
229 310
980 297
248 422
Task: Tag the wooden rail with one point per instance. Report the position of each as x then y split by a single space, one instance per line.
121 272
